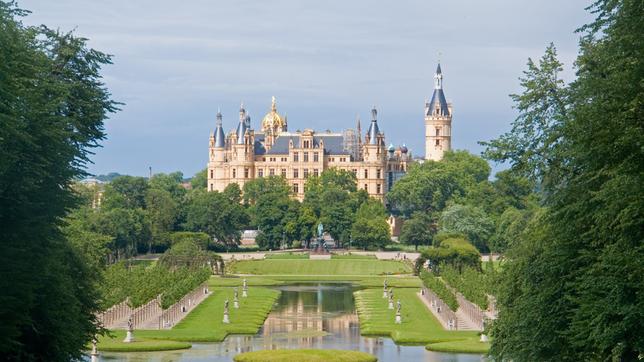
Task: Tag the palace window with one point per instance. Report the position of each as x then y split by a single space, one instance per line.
438 142
378 173
366 187
296 157
271 172
211 187
234 173
438 132
378 188
296 189
211 174
306 157
260 172
284 172
366 173
284 159
316 157
296 173
306 172
306 144
331 159
355 172
246 173
315 172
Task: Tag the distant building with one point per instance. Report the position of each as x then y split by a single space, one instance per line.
244 154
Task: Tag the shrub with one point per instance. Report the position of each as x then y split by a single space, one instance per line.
439 288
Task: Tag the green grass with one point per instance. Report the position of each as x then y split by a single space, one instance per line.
353 256
203 324
364 281
287 256
305 355
319 267
114 343
418 326
461 346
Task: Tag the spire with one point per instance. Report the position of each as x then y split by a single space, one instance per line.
273 105
242 127
373 128
242 111
438 105
219 132
358 128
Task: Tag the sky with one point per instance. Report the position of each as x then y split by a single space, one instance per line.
326 62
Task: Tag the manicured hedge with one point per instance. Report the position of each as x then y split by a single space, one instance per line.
437 286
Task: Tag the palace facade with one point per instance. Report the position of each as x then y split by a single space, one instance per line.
244 154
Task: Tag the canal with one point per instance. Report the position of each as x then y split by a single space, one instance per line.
310 316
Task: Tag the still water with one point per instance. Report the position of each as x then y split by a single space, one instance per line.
311 316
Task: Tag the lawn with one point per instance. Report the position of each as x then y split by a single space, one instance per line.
287 256
320 267
114 343
353 256
204 323
305 355
418 324
364 281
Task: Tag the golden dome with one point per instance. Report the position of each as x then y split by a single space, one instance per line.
272 120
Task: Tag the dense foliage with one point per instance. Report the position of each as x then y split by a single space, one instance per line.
52 107
454 195
472 283
573 282
453 251
437 286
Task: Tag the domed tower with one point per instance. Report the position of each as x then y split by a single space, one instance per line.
272 125
438 121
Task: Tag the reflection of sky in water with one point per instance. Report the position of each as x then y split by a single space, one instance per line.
313 316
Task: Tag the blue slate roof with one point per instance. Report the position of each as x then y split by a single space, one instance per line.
333 144
438 98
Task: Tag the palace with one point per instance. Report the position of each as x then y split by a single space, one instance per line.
244 154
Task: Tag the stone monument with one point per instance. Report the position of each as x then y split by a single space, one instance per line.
235 300
391 301
226 317
398 317
129 336
384 288
245 290
94 354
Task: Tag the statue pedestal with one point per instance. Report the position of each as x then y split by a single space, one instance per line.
391 305
226 319
94 354
244 293
385 294
236 304
398 319
129 337
484 338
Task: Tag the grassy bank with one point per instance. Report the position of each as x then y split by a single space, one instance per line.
305 355
204 323
271 280
114 343
319 267
418 324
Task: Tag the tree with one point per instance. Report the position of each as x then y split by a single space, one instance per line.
469 221
370 229
125 192
269 202
200 180
52 108
577 269
162 212
429 186
219 214
418 230
170 183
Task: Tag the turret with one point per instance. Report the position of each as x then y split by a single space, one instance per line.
438 121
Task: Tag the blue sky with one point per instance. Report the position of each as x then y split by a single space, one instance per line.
176 62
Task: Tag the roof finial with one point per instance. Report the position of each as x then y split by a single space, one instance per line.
273 105
374 113
219 117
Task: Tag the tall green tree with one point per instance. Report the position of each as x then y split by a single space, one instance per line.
370 229
52 108
418 230
577 270
126 192
470 221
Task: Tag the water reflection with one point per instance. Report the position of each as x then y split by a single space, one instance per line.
316 316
